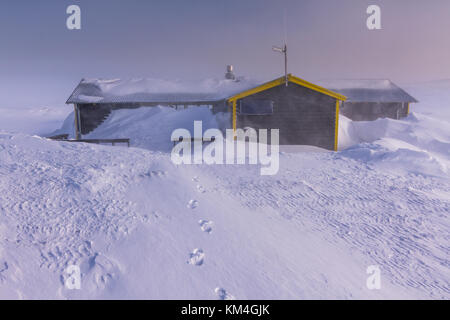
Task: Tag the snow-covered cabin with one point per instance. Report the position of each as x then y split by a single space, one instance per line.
305 114
369 100
94 99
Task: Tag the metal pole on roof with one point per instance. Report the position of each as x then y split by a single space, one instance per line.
283 50
285 65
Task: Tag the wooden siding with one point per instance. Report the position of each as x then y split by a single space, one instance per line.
91 116
369 111
303 116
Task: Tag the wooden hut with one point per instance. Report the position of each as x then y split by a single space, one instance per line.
368 100
305 114
94 99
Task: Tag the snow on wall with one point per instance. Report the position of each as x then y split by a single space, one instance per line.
151 127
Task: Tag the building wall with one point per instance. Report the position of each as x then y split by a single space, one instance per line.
91 116
303 116
369 111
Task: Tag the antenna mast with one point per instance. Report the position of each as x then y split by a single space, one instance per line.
284 50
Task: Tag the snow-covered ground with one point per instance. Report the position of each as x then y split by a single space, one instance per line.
141 227
40 121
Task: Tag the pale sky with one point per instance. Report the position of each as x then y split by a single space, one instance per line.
41 61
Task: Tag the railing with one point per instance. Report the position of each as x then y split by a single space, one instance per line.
203 140
94 141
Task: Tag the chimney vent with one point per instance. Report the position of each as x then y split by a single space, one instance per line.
230 75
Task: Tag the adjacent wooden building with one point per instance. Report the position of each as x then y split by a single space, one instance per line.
305 113
368 100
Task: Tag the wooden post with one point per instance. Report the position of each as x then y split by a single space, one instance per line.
234 117
235 120
336 126
77 122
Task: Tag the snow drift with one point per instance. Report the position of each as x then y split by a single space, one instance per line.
419 143
140 227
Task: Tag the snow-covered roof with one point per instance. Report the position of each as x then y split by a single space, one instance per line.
368 90
157 91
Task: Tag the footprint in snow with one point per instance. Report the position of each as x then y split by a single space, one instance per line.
196 257
158 173
201 189
192 204
206 225
222 294
155 173
3 267
153 216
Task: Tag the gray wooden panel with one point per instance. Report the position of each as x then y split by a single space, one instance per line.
369 111
303 116
91 116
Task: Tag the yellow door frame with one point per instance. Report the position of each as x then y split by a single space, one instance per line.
233 100
336 128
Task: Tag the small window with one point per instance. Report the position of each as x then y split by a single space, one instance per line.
255 107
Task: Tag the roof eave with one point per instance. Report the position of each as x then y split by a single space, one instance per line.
196 102
73 92
317 88
378 101
280 81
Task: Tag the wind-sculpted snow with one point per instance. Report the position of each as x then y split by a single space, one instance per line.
59 197
139 226
398 221
127 218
